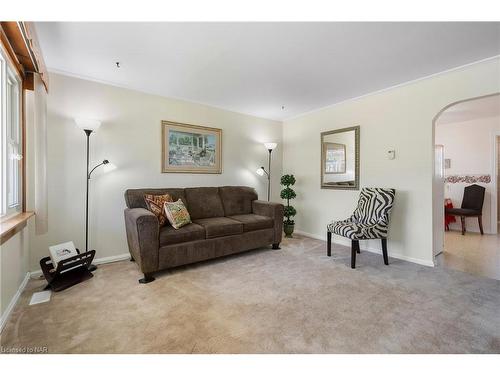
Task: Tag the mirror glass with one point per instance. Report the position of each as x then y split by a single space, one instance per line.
340 158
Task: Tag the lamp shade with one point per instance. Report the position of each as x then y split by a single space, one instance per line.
270 145
108 167
87 124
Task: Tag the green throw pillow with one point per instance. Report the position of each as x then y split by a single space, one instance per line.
177 214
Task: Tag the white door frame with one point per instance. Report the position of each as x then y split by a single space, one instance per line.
494 175
437 204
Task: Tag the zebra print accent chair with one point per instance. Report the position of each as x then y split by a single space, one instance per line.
369 221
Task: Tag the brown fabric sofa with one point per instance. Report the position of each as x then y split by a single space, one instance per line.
226 220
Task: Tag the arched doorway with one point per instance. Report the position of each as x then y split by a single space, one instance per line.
466 138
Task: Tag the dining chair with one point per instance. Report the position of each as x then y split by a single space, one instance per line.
472 206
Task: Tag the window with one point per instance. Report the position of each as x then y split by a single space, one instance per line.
11 144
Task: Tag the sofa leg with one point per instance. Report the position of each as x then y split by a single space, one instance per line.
353 253
384 251
329 243
147 278
132 259
276 246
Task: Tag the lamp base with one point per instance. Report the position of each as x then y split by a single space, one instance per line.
92 267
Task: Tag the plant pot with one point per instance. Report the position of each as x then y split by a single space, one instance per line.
288 229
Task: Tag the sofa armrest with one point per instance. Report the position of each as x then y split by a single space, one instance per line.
273 210
143 237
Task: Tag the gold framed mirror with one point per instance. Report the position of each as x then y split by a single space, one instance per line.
340 159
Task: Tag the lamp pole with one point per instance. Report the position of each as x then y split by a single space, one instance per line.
87 132
269 176
270 146
92 267
88 126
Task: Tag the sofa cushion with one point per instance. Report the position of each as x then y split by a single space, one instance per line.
204 202
220 226
237 200
253 222
134 198
189 232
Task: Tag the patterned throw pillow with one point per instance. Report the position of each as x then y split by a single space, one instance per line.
155 204
177 214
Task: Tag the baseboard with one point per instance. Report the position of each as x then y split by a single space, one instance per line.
310 235
363 246
111 259
5 316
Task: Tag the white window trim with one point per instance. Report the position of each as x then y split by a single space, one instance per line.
8 72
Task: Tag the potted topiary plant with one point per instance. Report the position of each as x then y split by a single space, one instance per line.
288 193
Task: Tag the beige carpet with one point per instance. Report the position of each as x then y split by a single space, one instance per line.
294 300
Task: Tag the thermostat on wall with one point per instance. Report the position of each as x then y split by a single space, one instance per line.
391 154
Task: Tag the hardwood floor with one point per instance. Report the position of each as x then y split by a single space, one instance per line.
472 253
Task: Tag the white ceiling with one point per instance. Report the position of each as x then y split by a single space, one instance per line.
471 110
256 68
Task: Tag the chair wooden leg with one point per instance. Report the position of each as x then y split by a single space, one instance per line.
384 251
358 250
329 243
353 253
462 220
480 221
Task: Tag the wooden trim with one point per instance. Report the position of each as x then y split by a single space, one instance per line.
23 44
31 39
13 225
18 44
11 54
20 41
23 150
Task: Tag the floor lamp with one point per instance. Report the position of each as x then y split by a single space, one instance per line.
270 146
89 126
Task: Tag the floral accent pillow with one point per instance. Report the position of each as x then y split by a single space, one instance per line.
177 214
155 204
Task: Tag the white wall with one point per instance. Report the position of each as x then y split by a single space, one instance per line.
470 147
400 118
130 138
14 257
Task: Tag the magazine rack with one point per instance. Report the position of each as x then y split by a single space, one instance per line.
68 272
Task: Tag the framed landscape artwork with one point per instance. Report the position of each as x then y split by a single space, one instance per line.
191 148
